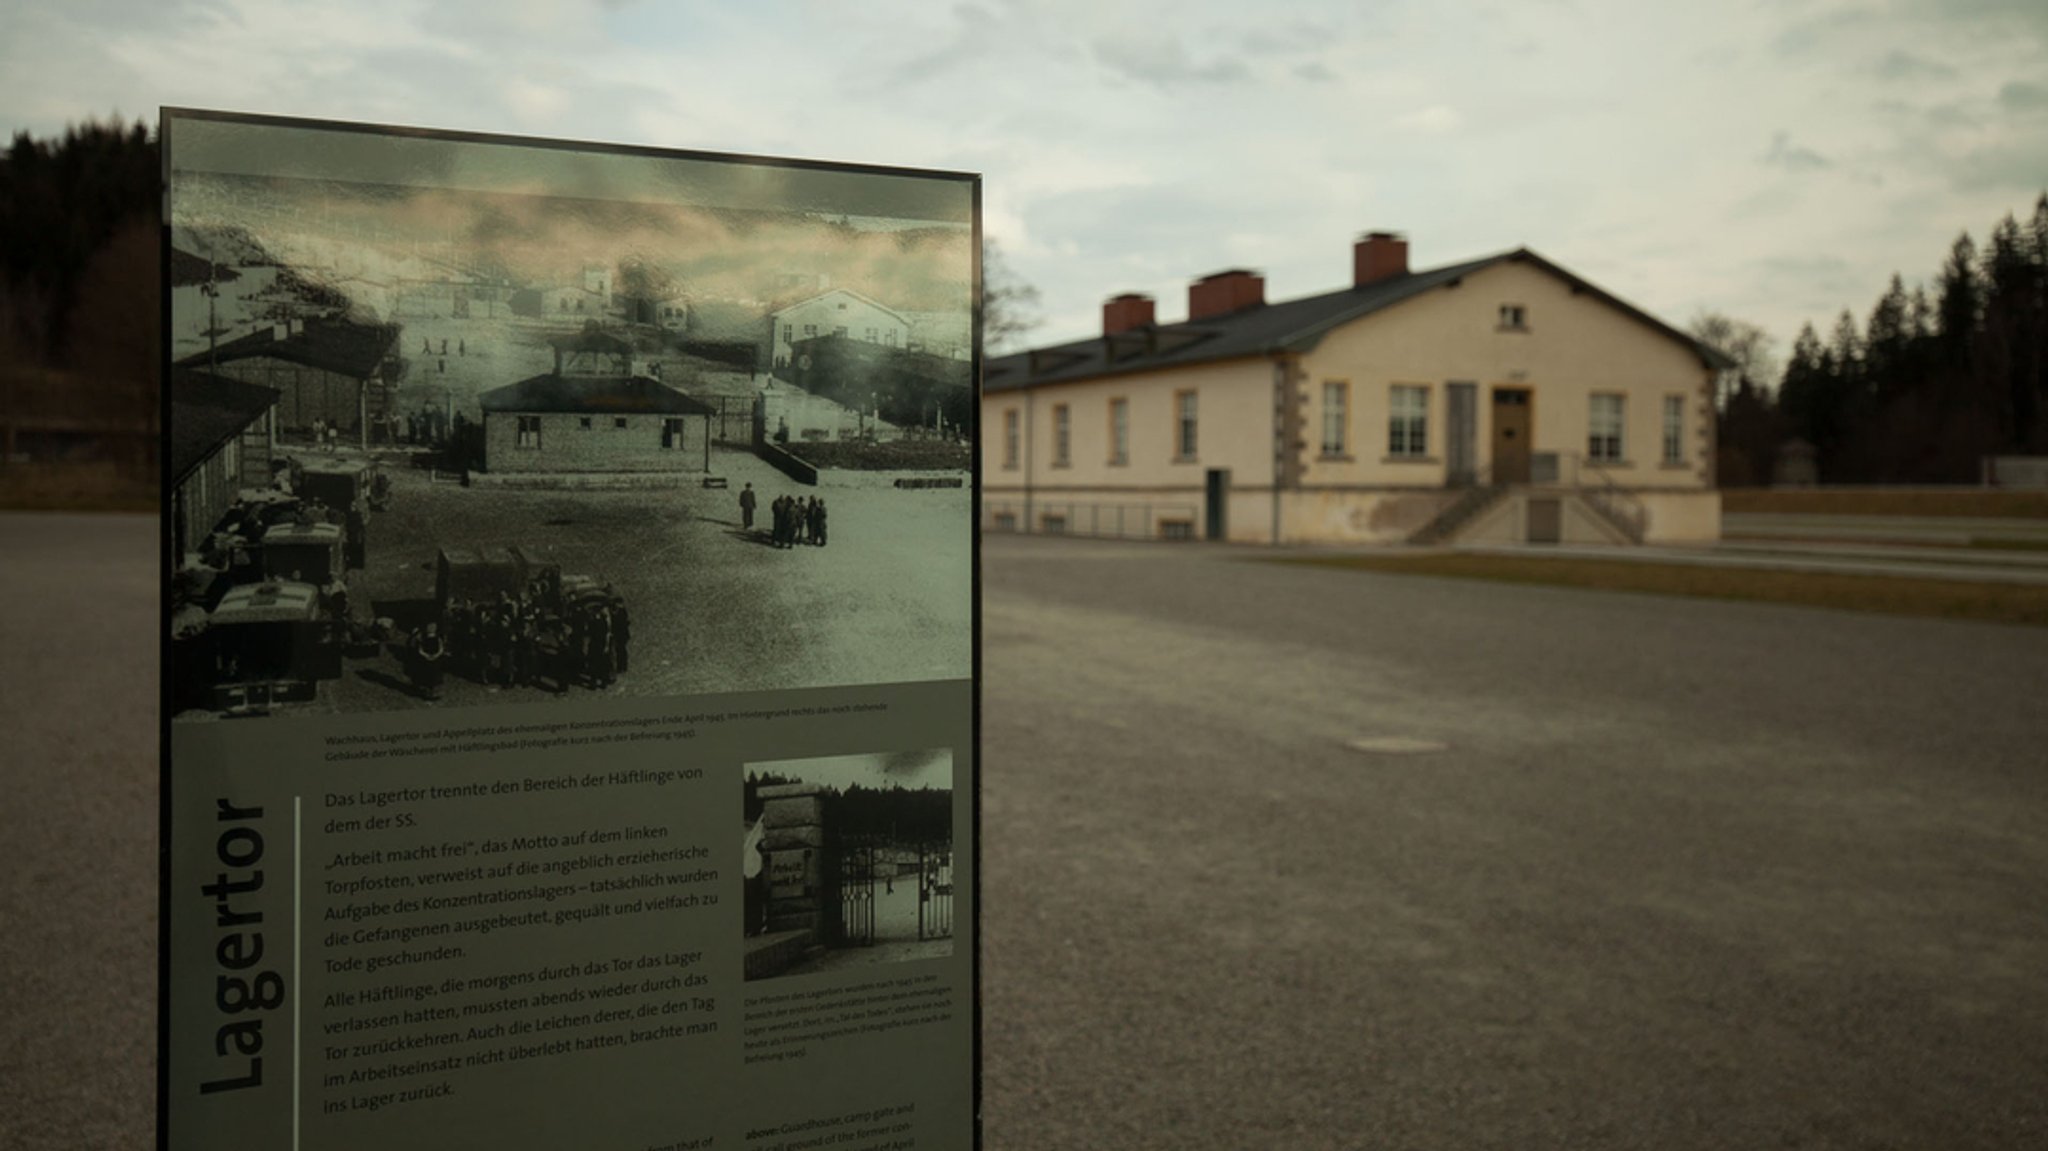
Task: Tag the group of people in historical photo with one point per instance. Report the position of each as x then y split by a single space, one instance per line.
792 520
518 640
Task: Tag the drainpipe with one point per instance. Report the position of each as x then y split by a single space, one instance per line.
1283 403
1029 394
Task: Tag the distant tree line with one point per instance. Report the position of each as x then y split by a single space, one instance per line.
80 266
1920 392
860 813
74 212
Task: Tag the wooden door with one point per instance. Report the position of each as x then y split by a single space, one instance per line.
1511 435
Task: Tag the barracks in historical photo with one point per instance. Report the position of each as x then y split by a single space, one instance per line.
1502 399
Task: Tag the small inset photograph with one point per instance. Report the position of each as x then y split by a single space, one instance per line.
848 861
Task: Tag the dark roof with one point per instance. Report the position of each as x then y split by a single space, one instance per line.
1267 329
591 395
208 411
188 269
593 339
344 347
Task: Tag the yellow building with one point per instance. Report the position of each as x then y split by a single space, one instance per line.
1502 399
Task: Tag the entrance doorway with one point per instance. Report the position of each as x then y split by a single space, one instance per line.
1511 435
1216 497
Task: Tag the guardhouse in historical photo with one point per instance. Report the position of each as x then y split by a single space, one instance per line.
593 413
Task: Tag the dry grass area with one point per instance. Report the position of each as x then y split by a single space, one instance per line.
1890 595
1965 502
94 487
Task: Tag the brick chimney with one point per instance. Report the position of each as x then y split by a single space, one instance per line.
1378 256
1125 312
1222 293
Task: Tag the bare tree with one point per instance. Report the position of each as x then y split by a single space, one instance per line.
1747 344
1009 303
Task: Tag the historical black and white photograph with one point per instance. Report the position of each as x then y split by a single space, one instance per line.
547 423
848 861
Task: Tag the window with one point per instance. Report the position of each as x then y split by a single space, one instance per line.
1053 524
1674 429
1119 432
529 431
788 333
619 422
1408 420
672 435
1336 416
1514 317
583 423
889 337
1184 425
1010 438
1006 521
1062 435
868 334
810 330
839 330
1603 436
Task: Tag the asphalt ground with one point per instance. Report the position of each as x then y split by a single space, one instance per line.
78 709
1684 873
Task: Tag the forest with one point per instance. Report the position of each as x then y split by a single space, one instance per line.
1923 389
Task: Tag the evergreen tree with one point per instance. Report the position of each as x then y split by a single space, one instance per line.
1802 397
1887 342
1961 301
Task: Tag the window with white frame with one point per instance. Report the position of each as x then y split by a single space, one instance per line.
1010 436
1603 429
529 431
1336 417
1674 429
1184 425
1062 435
1119 431
1408 420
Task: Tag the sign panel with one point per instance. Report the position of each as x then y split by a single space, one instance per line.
570 649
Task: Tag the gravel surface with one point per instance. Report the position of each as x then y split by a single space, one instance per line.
1686 873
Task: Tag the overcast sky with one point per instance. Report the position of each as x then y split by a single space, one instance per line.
1773 159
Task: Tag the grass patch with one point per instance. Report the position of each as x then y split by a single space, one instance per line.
1982 543
1984 503
1888 595
94 487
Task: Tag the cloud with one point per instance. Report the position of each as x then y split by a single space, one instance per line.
1815 33
1315 72
1300 36
1793 157
1163 61
1435 119
2021 96
1899 64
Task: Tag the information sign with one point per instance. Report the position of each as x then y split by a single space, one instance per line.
571 646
